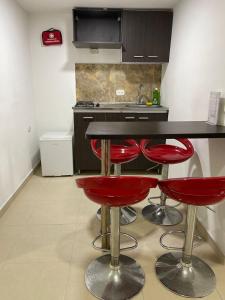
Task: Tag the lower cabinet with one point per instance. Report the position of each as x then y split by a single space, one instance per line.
85 160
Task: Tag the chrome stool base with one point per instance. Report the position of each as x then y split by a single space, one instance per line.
196 280
108 284
128 215
162 215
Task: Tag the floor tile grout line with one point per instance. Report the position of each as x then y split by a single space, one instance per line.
220 296
70 268
67 283
45 224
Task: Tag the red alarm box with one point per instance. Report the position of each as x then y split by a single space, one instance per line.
51 37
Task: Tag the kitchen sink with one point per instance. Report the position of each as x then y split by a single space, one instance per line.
135 105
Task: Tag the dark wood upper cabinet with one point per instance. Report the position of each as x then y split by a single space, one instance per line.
97 28
146 35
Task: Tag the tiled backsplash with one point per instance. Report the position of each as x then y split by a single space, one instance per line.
99 82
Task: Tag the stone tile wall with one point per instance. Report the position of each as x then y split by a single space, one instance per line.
99 82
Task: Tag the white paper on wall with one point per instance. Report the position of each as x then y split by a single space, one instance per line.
214 107
221 112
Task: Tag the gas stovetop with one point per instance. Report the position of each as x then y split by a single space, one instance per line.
85 104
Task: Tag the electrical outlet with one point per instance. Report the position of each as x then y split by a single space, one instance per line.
120 92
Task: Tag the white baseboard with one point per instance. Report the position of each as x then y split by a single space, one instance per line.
10 199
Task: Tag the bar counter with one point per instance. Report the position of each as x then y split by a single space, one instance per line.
107 131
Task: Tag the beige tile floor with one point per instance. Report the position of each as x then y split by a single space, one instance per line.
45 246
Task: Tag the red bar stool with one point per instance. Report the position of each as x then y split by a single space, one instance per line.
114 276
162 214
120 154
181 272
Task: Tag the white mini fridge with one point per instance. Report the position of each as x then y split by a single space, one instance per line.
56 153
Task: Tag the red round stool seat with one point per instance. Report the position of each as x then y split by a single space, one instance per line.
162 214
195 191
116 191
115 276
119 154
191 276
167 154
122 153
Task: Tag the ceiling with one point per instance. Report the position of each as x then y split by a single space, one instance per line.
67 5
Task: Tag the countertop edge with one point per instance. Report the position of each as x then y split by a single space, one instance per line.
95 110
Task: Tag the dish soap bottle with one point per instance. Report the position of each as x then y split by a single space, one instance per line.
156 97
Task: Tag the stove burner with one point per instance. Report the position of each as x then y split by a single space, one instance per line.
85 104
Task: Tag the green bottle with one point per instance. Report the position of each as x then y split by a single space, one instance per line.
156 97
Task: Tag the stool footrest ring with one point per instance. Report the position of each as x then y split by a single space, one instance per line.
198 240
121 249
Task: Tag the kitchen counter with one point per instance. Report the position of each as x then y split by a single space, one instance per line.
111 113
121 108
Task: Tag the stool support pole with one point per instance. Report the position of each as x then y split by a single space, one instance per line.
165 172
105 211
183 273
115 237
190 229
117 169
115 228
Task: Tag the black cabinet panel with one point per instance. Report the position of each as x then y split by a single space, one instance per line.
159 24
146 35
133 36
84 158
141 163
152 117
97 28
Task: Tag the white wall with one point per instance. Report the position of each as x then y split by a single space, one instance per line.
196 67
54 70
18 142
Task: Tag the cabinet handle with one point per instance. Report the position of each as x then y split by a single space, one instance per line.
138 56
88 118
142 118
129 118
152 56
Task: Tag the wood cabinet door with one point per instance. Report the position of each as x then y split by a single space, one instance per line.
121 117
159 29
83 156
133 36
141 163
144 117
146 36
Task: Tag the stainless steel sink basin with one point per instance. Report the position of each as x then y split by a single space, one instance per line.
142 106
137 105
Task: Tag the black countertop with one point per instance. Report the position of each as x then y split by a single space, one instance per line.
159 129
120 108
